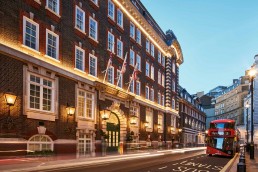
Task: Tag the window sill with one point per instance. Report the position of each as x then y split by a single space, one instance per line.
85 119
52 12
41 115
93 41
111 21
79 70
81 31
51 58
31 49
94 77
120 28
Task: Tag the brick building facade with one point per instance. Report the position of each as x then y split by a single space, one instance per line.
192 119
53 55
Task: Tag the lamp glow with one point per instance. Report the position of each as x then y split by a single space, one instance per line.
10 98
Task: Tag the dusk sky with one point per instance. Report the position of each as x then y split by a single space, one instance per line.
219 38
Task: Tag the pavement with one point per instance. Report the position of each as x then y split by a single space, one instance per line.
23 164
251 164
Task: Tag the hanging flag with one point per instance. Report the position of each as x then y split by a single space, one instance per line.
124 65
109 64
135 72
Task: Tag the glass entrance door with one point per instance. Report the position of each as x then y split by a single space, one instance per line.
113 131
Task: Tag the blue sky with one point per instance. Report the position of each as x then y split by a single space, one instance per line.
219 38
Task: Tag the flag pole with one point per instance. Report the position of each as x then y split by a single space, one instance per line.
108 65
120 76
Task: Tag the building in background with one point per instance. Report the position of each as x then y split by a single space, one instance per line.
85 72
208 108
192 119
230 102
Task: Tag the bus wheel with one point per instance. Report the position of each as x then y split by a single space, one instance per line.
210 154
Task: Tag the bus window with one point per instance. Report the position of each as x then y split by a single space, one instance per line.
222 125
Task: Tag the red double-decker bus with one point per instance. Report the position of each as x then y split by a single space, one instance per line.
222 138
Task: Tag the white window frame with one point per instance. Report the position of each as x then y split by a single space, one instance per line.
85 139
159 77
83 20
96 65
112 81
147 46
84 115
112 44
163 59
41 85
160 122
51 143
152 72
120 48
138 36
159 57
83 60
120 19
131 87
121 78
149 119
159 98
132 57
151 94
152 50
57 7
147 92
109 10
132 30
147 69
57 44
25 19
173 121
96 29
162 100
138 91
138 61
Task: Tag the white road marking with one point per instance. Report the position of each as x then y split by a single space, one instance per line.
162 167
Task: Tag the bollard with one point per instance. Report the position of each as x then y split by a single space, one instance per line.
242 158
241 167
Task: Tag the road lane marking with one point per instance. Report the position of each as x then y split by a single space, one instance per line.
163 167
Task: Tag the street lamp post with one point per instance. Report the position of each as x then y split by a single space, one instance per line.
252 74
247 134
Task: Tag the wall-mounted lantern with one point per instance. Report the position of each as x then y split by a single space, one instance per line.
10 98
133 120
105 114
70 110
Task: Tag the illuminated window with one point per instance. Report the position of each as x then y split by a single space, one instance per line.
85 144
79 19
93 65
138 88
152 50
152 72
41 93
132 30
93 29
147 70
40 143
132 86
138 61
120 82
147 92
138 36
85 104
111 10
152 94
79 58
132 57
111 75
160 121
159 77
120 18
147 45
30 33
149 118
52 44
119 48
53 5
111 42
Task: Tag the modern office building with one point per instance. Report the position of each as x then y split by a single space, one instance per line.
83 72
192 119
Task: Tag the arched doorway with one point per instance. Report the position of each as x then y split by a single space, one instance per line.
113 131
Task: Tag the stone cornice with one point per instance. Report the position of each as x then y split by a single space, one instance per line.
130 10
